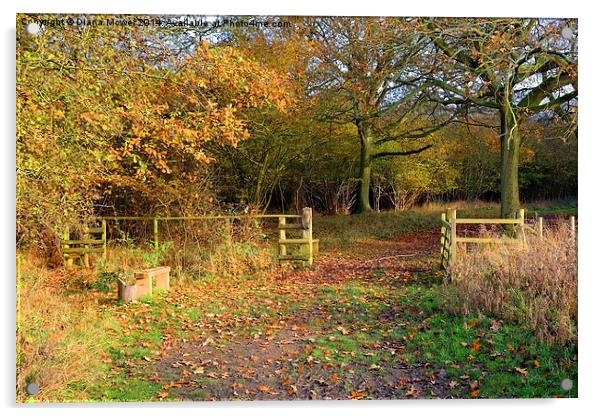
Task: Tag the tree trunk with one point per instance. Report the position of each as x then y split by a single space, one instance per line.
365 170
510 147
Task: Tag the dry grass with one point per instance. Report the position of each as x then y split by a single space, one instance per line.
199 250
441 206
536 284
60 340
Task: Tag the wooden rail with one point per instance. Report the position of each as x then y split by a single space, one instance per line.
306 246
450 238
538 227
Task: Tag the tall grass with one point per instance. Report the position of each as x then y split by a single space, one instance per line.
535 284
61 335
198 250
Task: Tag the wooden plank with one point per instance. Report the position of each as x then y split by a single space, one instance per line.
308 235
71 255
83 250
453 240
67 262
104 239
316 246
443 232
125 293
161 277
294 257
573 229
156 233
290 226
95 230
487 221
294 241
203 217
487 240
144 283
87 241
86 236
282 235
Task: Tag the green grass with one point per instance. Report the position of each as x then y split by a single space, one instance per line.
508 361
560 207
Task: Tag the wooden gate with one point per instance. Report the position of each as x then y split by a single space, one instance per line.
93 241
450 238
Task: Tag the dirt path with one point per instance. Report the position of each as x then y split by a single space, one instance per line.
322 348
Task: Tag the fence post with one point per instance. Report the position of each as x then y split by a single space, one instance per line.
442 235
282 236
540 227
67 261
306 218
86 236
521 226
228 233
573 234
104 239
452 244
156 233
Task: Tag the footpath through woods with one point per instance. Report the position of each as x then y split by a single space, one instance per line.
361 324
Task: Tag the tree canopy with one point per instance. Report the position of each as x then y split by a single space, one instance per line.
344 114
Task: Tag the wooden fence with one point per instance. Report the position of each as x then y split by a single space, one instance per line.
86 245
450 238
538 227
306 244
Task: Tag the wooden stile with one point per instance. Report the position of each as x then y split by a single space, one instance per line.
81 248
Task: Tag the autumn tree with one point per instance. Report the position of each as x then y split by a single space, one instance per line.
517 67
108 114
375 85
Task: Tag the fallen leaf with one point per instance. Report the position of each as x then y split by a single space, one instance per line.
357 395
495 325
412 392
264 389
343 330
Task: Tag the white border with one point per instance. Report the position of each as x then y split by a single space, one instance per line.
590 373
